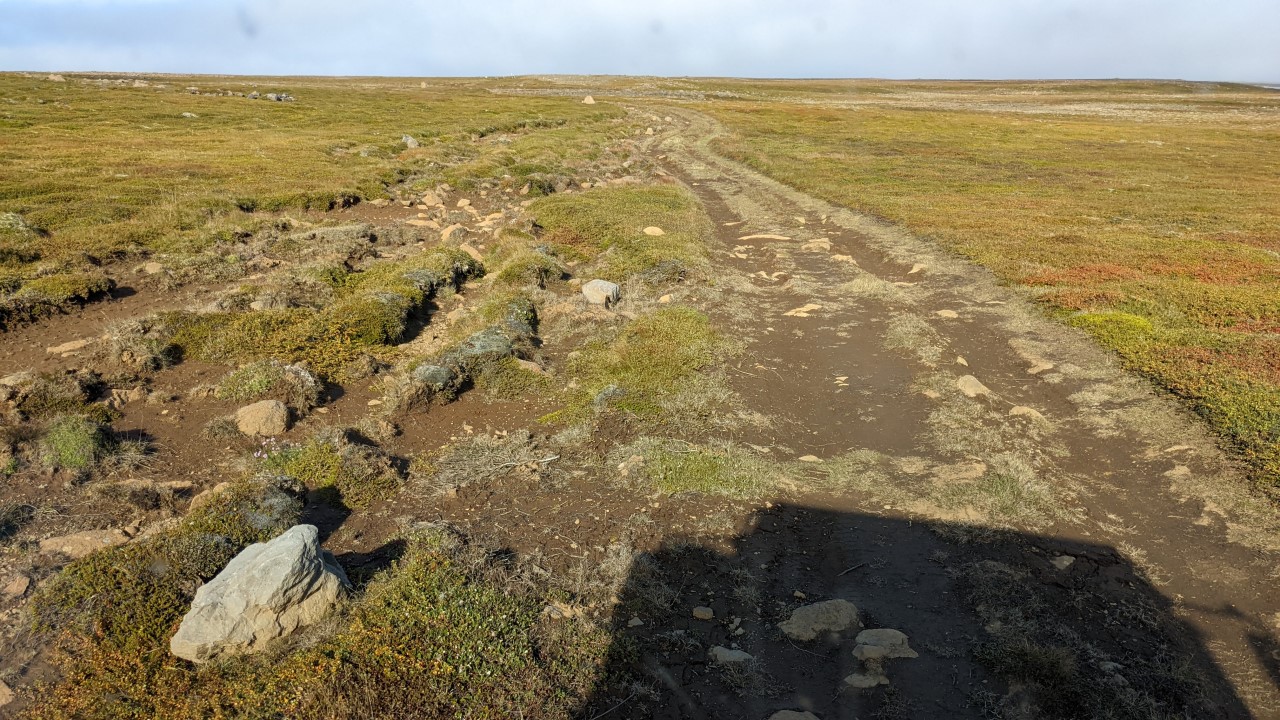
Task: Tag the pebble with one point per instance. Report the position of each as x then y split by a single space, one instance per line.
654 231
971 387
703 613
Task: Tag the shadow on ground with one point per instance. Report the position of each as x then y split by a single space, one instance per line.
1004 627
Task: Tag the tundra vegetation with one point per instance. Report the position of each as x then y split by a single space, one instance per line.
523 484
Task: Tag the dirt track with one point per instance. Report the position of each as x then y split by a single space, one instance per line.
1139 494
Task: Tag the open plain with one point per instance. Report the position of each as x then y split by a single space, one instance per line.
640 397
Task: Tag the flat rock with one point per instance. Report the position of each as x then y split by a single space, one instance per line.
882 643
971 387
268 591
16 587
6 694
720 655
654 231
601 292
948 314
807 622
78 545
1062 562
269 417
152 268
70 346
469 249
865 680
1024 411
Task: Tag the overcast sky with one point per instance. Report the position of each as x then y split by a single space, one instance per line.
1190 39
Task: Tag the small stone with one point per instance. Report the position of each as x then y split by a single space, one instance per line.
189 115
472 251
152 268
374 403
654 231
601 292
6 694
266 418
78 545
720 655
409 141
588 100
703 613
949 314
530 366
16 587
882 643
665 299
971 387
799 595
793 715
916 268
561 611
635 622
809 459
464 203
1062 562
807 622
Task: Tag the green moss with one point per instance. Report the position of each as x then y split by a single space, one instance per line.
648 359
50 395
610 223
346 473
265 378
74 443
725 470
505 379
63 288
1114 328
530 267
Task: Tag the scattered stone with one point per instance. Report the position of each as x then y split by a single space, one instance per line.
665 299
16 587
1024 411
793 715
882 644
970 386
432 199
865 680
1062 562
654 231
948 314
703 613
266 418
635 622
601 292
803 311
266 592
648 131
809 459
68 347
588 100
807 622
78 545
408 141
721 655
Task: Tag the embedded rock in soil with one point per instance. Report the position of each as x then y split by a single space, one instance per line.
269 417
827 616
882 643
721 655
588 100
268 591
6 694
78 545
654 231
601 292
703 613
866 680
971 387
16 587
793 715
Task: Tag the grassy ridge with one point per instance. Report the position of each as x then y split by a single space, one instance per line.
1155 230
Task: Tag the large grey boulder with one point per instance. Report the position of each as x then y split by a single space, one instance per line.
268 591
601 292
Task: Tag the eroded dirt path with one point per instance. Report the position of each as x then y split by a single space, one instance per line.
922 392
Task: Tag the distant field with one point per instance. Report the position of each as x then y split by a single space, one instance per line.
100 169
1145 213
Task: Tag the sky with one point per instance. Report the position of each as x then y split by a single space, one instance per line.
1186 39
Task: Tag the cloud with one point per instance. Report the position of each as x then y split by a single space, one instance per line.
1230 40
